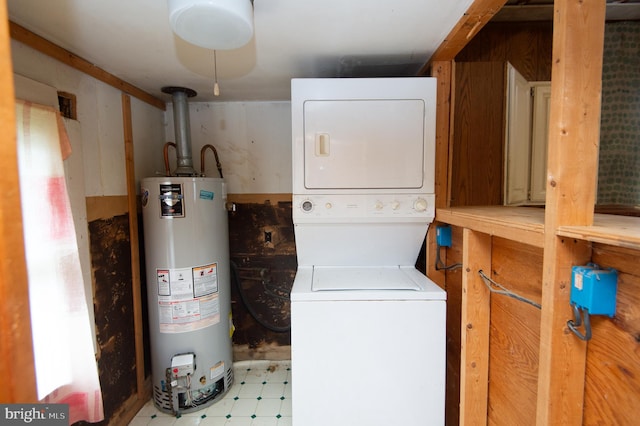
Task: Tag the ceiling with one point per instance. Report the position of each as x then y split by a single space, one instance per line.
132 40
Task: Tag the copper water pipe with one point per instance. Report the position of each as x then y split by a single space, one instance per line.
165 151
215 154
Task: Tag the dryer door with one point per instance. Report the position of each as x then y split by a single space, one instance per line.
364 144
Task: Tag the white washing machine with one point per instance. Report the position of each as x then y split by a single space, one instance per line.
368 329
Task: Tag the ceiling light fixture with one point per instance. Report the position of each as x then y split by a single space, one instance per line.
213 24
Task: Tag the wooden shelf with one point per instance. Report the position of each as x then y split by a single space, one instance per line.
621 231
526 225
523 224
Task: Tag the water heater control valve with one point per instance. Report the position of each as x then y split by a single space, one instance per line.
183 364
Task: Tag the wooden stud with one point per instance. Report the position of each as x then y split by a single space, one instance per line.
476 314
576 82
443 72
133 236
478 14
16 354
48 48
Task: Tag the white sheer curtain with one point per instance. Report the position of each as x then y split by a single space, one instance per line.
66 370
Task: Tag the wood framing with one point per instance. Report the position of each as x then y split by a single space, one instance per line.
43 45
476 310
135 250
574 132
443 72
479 13
16 354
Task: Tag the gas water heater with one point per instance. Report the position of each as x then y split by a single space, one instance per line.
186 243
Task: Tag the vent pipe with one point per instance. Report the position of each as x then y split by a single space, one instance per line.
182 129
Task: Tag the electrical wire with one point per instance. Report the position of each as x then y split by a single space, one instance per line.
504 291
245 301
440 266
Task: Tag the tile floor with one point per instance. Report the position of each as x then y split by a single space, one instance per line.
260 396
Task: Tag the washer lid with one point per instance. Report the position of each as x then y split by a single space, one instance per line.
361 278
362 283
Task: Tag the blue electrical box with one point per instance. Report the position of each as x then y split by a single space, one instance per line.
594 289
443 236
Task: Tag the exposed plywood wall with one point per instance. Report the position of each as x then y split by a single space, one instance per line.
478 134
514 334
479 100
612 388
526 45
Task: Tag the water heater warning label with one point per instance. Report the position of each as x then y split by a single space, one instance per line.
188 298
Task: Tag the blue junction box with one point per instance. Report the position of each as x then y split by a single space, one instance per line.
594 289
443 236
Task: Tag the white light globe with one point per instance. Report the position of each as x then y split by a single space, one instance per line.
212 24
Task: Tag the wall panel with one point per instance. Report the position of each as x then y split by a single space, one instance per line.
612 389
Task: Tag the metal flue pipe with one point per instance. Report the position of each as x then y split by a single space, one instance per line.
182 129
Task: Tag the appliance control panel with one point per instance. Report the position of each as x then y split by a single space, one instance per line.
363 207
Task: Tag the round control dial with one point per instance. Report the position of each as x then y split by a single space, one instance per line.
306 206
420 205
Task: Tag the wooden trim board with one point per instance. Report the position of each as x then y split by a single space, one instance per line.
134 243
48 48
16 354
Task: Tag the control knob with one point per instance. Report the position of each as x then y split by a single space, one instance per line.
420 205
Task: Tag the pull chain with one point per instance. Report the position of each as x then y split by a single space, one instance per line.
216 88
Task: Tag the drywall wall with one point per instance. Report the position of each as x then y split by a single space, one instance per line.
253 140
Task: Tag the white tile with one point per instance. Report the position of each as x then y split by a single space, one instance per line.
244 407
250 390
235 388
273 390
196 413
285 408
162 421
214 421
140 421
284 421
239 421
188 420
268 407
220 408
277 373
256 375
260 421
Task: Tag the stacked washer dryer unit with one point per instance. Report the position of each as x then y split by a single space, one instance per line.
188 279
368 329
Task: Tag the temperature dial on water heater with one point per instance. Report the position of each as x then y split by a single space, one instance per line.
420 205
